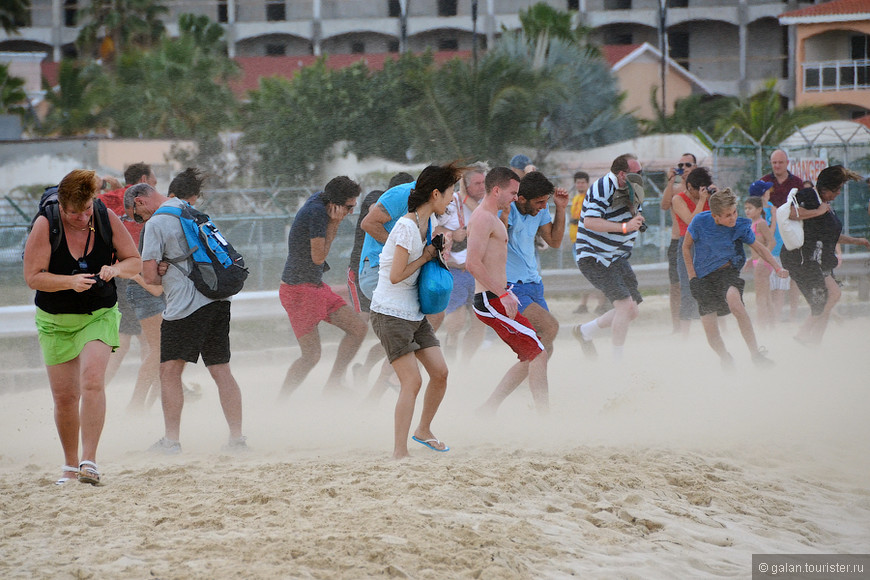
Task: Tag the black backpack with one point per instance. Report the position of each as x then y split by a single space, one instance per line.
50 208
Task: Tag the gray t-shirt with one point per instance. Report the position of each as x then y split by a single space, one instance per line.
163 238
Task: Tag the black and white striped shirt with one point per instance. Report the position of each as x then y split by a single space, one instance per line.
605 247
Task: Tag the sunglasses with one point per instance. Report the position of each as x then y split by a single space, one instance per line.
681 165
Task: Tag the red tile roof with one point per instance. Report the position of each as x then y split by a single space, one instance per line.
865 120
256 67
833 8
613 53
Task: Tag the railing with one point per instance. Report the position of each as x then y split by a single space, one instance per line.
836 75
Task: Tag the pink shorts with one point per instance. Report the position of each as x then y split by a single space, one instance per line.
518 333
307 305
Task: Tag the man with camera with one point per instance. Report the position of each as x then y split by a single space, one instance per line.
609 223
676 183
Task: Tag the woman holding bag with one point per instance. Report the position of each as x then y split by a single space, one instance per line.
812 265
396 316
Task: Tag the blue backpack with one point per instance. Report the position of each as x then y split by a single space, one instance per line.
217 269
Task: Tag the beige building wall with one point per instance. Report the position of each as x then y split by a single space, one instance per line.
637 80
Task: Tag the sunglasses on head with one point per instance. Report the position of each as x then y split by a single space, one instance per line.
687 164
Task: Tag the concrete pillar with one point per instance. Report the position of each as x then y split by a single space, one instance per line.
232 35
316 27
56 29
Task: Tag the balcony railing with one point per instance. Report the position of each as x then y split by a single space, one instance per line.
837 75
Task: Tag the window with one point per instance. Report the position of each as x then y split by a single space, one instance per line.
276 12
678 3
357 47
222 13
276 50
448 44
393 46
617 4
394 9
573 4
860 47
613 37
678 47
447 7
70 13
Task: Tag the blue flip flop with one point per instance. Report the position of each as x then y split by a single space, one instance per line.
428 443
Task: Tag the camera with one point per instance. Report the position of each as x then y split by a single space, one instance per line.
99 283
679 171
642 228
711 190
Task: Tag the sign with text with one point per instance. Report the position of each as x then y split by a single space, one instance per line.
807 168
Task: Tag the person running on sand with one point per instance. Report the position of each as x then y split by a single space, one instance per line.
396 318
713 250
304 296
77 316
494 303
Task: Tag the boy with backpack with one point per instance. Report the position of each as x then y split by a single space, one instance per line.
717 237
193 324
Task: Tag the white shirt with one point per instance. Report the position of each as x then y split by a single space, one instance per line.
400 300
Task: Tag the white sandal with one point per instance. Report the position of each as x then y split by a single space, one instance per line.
65 479
89 473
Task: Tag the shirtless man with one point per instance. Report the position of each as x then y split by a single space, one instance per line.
494 303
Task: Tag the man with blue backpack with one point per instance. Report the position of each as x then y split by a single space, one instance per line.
188 256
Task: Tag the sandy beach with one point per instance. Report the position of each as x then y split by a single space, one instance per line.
660 468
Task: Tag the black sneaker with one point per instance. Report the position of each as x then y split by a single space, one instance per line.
760 358
587 345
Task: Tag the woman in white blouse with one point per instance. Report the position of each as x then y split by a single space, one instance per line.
395 310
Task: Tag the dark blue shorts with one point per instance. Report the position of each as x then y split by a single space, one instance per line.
529 292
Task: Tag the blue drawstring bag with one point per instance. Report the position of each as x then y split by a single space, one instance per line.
435 283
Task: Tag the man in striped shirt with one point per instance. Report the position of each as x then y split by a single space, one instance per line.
609 223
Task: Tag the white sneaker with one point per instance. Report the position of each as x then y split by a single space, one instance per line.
166 447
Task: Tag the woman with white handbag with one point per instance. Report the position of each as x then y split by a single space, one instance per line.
812 264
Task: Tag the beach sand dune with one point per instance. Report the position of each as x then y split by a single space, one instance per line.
661 468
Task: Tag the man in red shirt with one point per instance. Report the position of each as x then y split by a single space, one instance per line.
783 181
114 199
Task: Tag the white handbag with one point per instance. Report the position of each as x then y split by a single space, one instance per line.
791 231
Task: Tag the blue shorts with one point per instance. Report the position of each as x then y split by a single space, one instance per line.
529 292
463 290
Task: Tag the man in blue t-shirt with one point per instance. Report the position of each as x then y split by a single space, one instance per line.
377 225
305 297
529 217
717 237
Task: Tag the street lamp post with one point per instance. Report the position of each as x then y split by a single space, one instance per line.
663 47
474 32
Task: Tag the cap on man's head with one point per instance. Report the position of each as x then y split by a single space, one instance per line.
520 161
759 188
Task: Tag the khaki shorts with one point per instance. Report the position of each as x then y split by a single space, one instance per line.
400 337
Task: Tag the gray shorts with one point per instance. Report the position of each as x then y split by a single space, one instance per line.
400 337
368 279
144 304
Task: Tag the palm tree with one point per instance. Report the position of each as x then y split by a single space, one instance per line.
177 90
12 95
14 14
690 114
580 109
76 103
767 121
476 113
112 25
